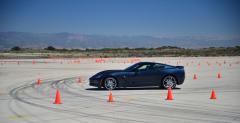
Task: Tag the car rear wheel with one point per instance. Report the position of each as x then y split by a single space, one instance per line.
169 81
110 83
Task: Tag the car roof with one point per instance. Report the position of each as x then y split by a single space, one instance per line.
148 63
152 63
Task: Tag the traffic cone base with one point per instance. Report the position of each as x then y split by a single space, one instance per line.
58 98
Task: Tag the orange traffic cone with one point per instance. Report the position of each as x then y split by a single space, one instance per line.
39 81
194 77
199 65
213 95
58 98
110 97
219 75
169 95
33 62
79 80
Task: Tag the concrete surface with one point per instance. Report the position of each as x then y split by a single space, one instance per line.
22 100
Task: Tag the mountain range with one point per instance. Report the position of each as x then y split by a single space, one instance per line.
75 40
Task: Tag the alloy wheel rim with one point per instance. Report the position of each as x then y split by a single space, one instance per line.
110 83
169 81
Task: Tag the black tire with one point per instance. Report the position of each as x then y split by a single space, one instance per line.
167 81
110 83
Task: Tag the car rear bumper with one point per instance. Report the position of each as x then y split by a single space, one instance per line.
181 79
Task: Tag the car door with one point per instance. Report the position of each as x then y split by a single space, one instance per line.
145 78
141 76
157 72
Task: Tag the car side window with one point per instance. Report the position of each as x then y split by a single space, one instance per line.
158 66
144 67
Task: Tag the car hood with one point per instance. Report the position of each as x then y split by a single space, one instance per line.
107 72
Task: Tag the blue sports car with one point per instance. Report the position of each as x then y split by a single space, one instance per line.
140 74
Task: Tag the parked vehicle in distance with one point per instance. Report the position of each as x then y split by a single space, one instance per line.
139 75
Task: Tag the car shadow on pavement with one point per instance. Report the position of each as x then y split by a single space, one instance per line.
130 88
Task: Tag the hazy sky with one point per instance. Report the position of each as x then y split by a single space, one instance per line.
123 17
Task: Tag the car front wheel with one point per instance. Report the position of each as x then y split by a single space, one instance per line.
169 81
110 83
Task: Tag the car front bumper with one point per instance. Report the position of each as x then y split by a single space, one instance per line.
95 82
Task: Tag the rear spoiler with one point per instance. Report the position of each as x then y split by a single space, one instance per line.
180 67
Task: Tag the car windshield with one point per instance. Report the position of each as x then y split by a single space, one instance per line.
132 67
